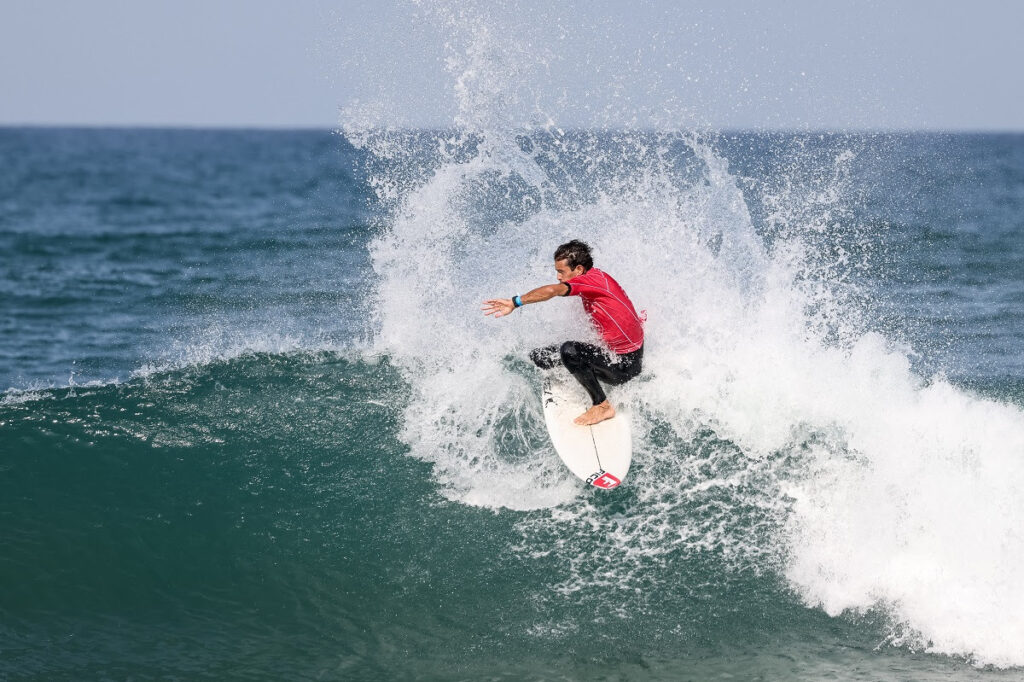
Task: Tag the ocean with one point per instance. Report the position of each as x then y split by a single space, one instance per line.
254 425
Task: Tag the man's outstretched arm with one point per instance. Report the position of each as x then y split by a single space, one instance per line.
500 307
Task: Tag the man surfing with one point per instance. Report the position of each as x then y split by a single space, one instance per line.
610 311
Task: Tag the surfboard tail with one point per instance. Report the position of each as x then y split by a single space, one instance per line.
604 480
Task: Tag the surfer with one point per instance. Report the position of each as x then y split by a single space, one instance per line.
613 316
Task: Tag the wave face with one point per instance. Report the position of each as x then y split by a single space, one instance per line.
255 425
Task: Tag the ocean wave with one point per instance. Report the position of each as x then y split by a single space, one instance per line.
830 462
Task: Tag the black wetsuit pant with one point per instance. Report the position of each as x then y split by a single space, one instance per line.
591 365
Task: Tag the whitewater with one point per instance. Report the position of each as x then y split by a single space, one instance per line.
880 487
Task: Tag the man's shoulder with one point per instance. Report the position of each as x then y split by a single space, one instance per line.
590 276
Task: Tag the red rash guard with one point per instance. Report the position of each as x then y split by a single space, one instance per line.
610 310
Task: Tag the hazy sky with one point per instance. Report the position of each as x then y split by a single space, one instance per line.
786 64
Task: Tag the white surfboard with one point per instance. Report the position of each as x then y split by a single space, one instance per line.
598 454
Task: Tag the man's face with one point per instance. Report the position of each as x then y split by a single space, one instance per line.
564 273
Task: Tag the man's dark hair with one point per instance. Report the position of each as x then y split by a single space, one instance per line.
575 253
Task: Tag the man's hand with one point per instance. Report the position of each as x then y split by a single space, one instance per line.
499 307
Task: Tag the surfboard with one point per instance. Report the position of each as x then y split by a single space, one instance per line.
598 454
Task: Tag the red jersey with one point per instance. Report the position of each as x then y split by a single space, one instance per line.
610 310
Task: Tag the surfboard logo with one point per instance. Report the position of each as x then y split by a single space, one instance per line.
604 480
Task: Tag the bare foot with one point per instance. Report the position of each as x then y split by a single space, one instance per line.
596 414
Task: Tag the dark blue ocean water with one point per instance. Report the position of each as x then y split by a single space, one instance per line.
213 465
115 233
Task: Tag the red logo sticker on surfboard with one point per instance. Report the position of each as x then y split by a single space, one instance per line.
603 480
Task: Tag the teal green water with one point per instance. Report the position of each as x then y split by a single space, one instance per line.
259 518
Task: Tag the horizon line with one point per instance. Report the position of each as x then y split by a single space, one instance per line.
214 127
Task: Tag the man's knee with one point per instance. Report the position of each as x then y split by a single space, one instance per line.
571 356
546 357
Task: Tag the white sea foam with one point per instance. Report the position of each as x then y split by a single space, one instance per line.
222 344
899 491
18 396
